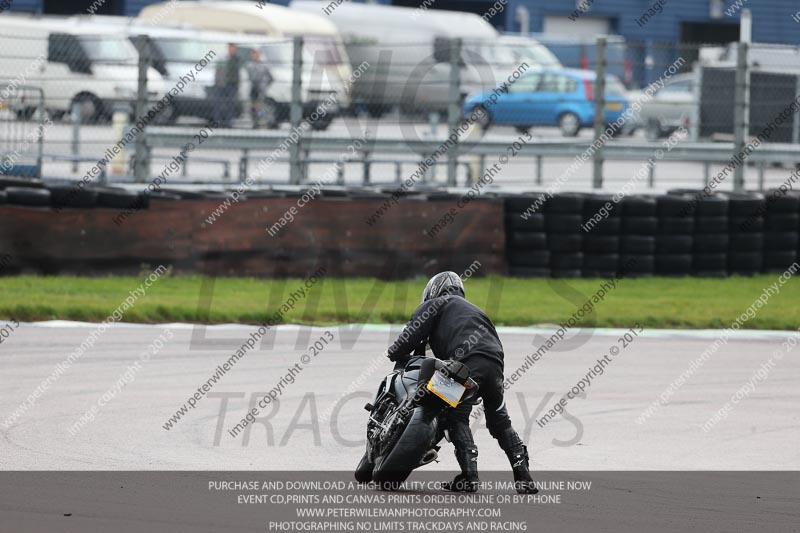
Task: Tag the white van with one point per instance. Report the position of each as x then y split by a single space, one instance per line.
409 51
322 46
89 65
176 50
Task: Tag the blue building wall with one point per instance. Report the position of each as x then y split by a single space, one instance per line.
132 7
654 45
26 6
772 19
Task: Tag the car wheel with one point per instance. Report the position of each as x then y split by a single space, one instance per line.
375 110
569 124
653 132
484 119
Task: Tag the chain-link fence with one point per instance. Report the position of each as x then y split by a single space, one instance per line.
376 106
22 127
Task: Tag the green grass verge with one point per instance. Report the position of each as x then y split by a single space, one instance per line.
653 302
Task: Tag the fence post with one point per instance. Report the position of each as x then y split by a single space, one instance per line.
454 109
75 120
41 113
599 112
796 121
741 113
140 157
694 120
296 111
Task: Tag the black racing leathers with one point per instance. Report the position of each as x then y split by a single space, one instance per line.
457 329
454 328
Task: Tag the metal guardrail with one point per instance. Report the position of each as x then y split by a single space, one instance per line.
18 113
248 141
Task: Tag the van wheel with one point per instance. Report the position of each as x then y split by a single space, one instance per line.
90 108
168 116
322 123
569 124
25 113
653 131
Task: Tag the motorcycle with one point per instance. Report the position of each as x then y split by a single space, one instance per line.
406 419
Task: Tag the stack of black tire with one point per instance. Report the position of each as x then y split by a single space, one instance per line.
746 232
563 219
711 240
638 235
601 243
34 193
678 234
526 239
781 226
675 239
23 191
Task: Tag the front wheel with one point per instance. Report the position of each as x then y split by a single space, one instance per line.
375 110
364 469
409 449
569 124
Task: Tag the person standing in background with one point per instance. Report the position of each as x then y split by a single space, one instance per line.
227 80
260 79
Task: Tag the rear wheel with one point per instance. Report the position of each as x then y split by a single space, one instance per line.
569 124
484 117
167 116
322 123
409 449
90 108
25 114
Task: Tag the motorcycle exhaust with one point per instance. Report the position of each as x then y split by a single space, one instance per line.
429 457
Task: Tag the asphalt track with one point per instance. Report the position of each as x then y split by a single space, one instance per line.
131 474
596 432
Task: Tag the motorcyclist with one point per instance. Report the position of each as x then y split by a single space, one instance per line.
456 329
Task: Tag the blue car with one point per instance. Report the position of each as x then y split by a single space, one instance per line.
549 97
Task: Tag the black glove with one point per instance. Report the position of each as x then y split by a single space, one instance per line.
398 357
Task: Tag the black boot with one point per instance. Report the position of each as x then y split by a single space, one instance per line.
517 454
467 457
